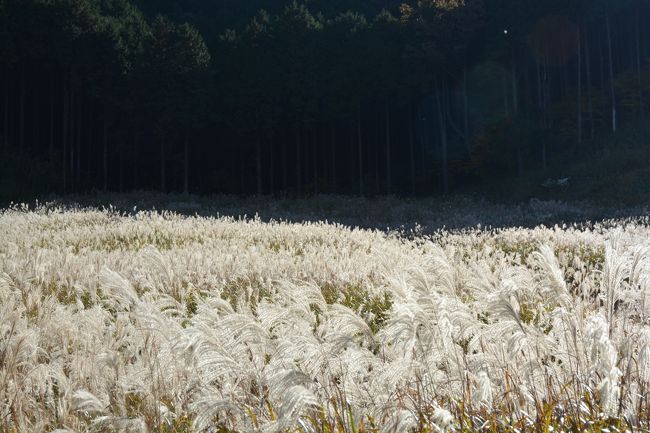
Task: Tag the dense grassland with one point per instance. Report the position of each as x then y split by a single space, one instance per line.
155 321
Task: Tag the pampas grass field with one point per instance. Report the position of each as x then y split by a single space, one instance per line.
152 321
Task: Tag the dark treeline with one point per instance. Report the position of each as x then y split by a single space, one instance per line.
321 96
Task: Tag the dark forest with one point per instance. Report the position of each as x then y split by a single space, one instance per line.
297 98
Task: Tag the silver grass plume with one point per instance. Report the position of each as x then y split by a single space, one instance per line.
85 401
401 421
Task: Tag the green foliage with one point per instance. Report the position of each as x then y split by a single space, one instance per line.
245 291
375 309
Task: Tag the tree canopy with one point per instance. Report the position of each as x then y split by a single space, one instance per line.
345 96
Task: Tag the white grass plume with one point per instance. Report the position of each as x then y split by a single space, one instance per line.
165 320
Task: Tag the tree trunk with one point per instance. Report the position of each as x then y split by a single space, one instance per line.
527 96
298 161
105 152
21 112
77 167
72 133
443 139
136 172
258 162
242 177
121 170
515 109
272 164
163 179
36 121
378 137
545 114
540 98
186 164
51 147
351 150
602 67
637 35
360 148
64 132
506 108
579 84
315 147
333 155
611 73
421 131
389 181
465 114
515 87
90 139
590 101
284 161
412 145
565 70
5 128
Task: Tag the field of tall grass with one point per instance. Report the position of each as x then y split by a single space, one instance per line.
162 322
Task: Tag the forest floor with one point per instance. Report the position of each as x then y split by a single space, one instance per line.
406 215
608 171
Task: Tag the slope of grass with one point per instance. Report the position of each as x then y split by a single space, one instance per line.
166 323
